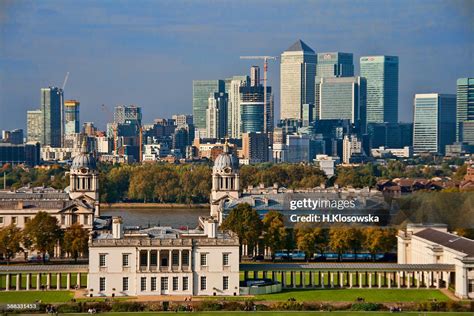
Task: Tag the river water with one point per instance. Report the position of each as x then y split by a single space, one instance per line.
152 217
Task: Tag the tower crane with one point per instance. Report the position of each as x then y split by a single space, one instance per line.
265 69
65 81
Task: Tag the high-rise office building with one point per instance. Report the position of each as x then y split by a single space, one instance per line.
331 65
128 114
52 109
34 122
255 147
252 109
344 98
465 110
71 117
216 115
381 73
390 135
254 76
232 88
202 89
434 123
182 119
14 137
297 73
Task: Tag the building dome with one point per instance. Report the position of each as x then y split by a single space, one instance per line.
84 160
226 161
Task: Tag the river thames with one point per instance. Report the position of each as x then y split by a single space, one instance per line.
152 217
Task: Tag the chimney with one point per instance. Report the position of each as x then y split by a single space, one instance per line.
117 227
210 228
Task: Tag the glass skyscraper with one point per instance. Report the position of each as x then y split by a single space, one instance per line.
465 110
71 117
202 89
297 74
381 73
52 117
232 88
252 117
434 122
344 98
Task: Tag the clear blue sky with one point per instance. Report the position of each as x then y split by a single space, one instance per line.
148 52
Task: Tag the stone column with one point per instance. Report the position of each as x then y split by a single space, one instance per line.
68 281
264 274
379 279
78 281
148 260
331 277
350 280
28 281
7 282
58 281
158 263
179 260
409 280
322 280
18 281
370 280
389 280
293 279
38 281
48 281
303 279
437 279
417 279
170 259
447 279
360 280
283 279
341 279
398 280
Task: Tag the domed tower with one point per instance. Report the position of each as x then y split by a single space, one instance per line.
84 177
225 181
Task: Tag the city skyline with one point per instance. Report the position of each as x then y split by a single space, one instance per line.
136 55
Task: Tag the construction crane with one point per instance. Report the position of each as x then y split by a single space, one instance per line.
265 69
65 81
114 126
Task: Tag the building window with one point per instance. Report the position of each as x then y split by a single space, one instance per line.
143 284
175 284
175 258
153 283
185 258
102 284
185 283
102 262
14 220
203 283
1 220
164 283
225 283
225 259
86 219
125 260
203 259
124 284
27 219
63 220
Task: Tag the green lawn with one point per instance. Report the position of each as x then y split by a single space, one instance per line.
283 313
351 295
33 296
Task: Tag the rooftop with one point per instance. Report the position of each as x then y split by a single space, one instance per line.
300 46
448 240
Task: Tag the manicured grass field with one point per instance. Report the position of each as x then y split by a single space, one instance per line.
351 295
33 296
284 313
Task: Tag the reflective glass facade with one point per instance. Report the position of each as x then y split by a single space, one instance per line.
465 110
202 89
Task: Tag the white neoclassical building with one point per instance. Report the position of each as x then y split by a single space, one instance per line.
78 203
420 244
163 261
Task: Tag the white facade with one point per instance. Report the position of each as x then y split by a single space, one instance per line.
405 152
327 164
164 261
434 245
350 145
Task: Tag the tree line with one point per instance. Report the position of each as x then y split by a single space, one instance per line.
246 223
43 233
191 183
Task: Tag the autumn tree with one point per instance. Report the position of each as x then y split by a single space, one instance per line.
75 241
44 232
342 239
274 231
10 241
246 223
305 239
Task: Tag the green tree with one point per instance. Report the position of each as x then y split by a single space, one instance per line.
44 232
10 241
245 222
274 231
75 240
